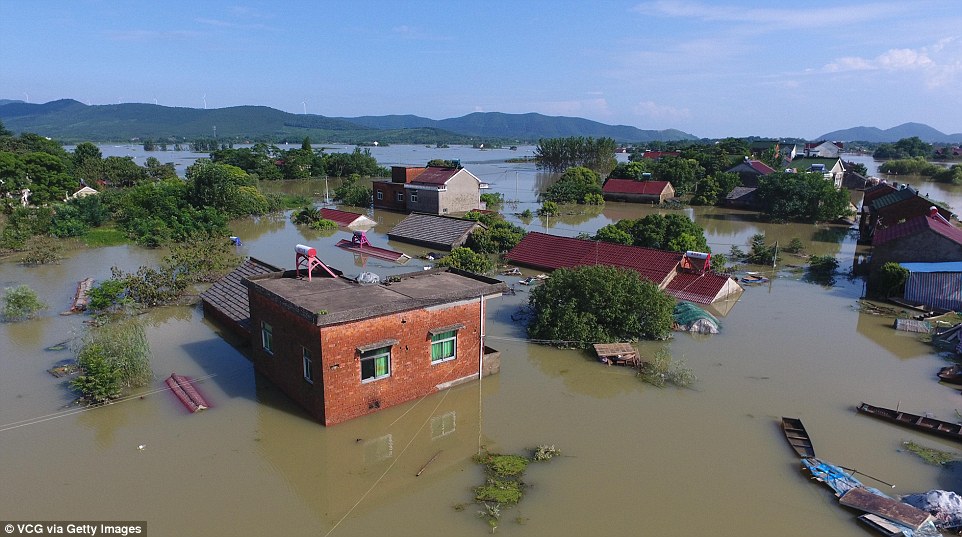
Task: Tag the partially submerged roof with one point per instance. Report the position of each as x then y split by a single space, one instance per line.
630 186
742 193
550 252
348 219
433 231
437 176
327 301
228 295
917 225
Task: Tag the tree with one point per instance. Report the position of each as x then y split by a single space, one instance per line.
157 171
672 232
218 186
351 192
805 197
20 303
123 172
88 163
904 148
682 173
713 189
613 234
598 304
559 154
636 170
573 185
466 259
49 177
500 235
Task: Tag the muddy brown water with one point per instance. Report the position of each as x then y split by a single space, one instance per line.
638 460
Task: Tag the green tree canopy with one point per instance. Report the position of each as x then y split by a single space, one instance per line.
559 154
904 148
805 197
672 232
466 259
573 185
633 170
598 304
682 173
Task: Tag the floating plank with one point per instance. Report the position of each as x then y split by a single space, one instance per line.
887 508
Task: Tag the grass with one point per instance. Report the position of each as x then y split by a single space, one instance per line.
931 455
104 236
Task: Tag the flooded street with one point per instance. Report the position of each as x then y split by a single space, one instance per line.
638 460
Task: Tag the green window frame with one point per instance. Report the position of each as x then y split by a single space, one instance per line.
308 365
376 364
267 337
444 346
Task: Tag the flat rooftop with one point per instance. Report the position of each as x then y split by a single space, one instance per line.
326 300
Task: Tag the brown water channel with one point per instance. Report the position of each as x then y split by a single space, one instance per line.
638 460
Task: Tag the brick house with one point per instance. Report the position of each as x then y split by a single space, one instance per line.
921 239
431 190
749 171
341 349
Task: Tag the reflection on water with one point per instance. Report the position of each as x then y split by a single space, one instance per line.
674 462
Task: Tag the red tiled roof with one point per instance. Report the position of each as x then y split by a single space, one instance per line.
630 186
761 167
915 225
435 176
660 154
341 218
702 288
551 252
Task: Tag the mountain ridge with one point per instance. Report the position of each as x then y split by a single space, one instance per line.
72 120
905 130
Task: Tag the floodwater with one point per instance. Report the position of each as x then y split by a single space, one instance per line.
638 460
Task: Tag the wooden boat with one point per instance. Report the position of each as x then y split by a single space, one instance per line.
921 423
754 277
951 374
798 437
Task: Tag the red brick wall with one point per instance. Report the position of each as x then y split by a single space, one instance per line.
389 196
285 367
412 374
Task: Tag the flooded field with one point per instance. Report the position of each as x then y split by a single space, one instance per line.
638 460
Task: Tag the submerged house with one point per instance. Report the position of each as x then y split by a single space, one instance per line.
683 276
432 231
347 219
749 171
432 190
637 191
886 205
922 239
831 168
342 349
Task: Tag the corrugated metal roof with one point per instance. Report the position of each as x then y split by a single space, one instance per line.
942 289
896 196
433 231
630 186
950 266
915 225
228 295
741 193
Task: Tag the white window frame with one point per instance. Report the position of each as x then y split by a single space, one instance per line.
400 196
373 355
267 337
454 354
308 365
380 195
414 196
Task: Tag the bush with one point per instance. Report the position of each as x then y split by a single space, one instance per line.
492 200
598 304
548 208
466 259
21 303
891 278
822 264
112 358
573 186
500 236
662 370
794 246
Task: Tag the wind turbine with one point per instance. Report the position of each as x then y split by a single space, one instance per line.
27 95
155 100
304 104
205 101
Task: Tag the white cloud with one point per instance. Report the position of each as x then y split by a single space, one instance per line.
655 111
938 64
778 18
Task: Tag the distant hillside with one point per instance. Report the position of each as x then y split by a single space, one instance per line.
905 130
529 126
73 121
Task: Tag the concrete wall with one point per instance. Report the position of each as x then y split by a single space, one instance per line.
463 194
923 247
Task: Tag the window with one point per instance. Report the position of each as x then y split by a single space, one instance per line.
400 196
414 196
375 364
443 425
444 346
308 366
267 337
380 195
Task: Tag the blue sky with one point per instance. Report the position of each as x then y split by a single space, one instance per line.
710 68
